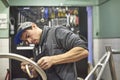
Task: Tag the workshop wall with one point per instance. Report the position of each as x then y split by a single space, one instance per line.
99 51
53 2
4 43
104 17
4 33
4 63
106 28
108 17
42 15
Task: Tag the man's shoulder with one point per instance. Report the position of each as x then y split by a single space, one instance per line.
59 28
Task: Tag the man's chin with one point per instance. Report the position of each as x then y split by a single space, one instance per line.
36 45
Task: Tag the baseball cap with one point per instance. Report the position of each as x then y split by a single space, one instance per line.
20 30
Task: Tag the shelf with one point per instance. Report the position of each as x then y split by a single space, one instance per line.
25 47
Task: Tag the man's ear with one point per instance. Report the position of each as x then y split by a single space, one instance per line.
34 25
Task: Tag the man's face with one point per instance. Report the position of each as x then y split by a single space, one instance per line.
31 36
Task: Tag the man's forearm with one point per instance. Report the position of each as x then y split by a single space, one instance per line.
72 55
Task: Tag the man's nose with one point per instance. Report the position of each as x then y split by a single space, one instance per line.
26 42
29 41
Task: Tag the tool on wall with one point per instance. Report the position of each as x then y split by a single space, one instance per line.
42 15
12 26
68 19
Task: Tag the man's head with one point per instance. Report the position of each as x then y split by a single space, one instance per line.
28 32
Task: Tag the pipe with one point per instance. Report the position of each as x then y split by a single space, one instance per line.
22 58
101 3
6 3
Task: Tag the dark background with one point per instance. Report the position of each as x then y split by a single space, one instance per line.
16 72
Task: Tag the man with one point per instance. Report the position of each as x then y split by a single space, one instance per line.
60 49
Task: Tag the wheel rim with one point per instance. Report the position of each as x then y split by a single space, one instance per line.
22 58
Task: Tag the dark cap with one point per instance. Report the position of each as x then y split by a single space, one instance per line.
21 28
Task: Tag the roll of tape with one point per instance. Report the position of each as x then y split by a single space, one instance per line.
28 71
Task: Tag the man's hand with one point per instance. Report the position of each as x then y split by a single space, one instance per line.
31 68
45 62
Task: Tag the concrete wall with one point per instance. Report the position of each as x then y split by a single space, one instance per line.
99 51
4 63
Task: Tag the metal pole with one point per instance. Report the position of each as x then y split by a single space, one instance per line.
111 64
